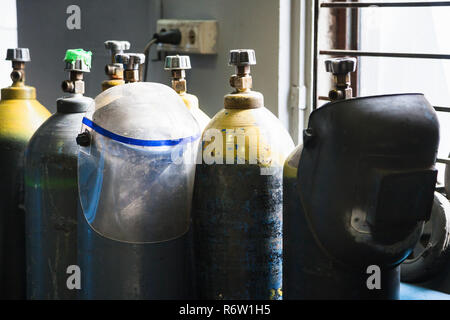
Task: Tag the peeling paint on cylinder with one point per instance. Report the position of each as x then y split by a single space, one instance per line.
238 232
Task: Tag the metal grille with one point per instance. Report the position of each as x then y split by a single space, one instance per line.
319 5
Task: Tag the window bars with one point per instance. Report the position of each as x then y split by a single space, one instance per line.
357 53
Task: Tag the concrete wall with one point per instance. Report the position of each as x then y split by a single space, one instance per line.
242 24
8 36
42 29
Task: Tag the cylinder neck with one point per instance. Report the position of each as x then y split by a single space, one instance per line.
73 103
18 91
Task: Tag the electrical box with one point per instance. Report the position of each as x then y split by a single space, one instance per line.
197 36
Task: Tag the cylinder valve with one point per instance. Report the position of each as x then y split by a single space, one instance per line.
114 70
78 62
341 69
242 59
18 57
132 64
177 66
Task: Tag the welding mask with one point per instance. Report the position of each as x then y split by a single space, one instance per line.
136 169
366 176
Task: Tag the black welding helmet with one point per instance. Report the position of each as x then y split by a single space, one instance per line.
366 176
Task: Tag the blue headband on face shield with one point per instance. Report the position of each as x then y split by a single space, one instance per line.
137 142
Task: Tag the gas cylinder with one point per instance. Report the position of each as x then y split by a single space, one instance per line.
114 70
237 206
51 190
357 193
136 190
20 115
177 66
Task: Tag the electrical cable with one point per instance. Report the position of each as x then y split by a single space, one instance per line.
169 37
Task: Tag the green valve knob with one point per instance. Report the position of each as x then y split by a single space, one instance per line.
78 60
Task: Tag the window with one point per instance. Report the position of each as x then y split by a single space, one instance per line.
399 29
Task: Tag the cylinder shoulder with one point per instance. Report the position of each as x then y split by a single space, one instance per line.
75 103
20 118
263 132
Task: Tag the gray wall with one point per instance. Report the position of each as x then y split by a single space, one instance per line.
42 29
242 24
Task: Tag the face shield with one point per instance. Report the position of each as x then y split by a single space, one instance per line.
367 176
136 173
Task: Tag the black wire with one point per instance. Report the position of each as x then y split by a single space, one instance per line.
147 55
172 36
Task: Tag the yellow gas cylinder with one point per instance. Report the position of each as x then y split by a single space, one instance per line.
20 116
238 193
114 70
177 66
